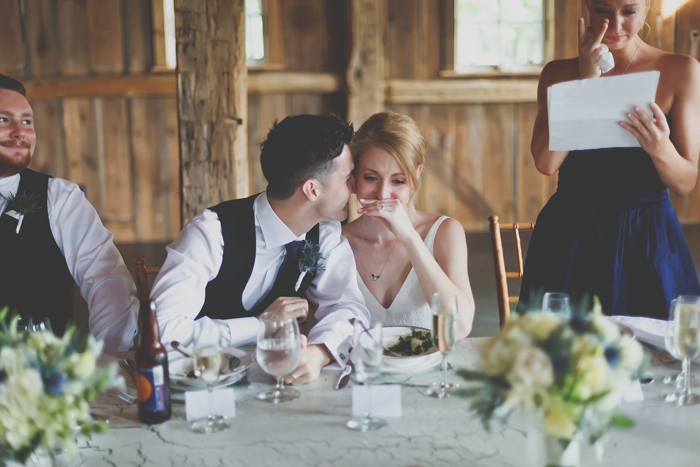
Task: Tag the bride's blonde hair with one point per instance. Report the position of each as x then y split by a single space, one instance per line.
398 135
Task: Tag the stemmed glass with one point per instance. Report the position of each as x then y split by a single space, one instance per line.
278 354
367 355
31 324
669 340
556 302
687 341
445 327
207 357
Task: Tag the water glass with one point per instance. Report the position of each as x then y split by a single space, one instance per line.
445 331
686 338
278 353
31 324
557 302
207 359
367 355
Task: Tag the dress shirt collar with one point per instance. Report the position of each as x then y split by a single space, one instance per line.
9 185
275 232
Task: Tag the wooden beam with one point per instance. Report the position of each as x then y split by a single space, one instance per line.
283 82
212 101
400 91
102 86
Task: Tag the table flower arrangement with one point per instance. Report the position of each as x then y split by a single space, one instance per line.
46 383
569 374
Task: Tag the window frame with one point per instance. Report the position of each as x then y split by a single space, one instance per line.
448 49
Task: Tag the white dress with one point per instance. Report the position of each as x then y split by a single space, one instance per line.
410 307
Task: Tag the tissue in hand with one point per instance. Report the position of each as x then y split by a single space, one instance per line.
606 62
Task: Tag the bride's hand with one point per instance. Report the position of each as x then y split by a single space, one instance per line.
392 213
589 50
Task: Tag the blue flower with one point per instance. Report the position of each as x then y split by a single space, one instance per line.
310 260
578 323
560 365
612 355
53 382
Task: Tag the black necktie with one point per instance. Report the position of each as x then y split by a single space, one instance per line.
286 278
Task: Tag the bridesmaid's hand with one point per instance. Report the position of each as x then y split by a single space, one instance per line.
653 134
393 214
589 50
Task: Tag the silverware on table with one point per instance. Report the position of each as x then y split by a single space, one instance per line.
177 346
344 376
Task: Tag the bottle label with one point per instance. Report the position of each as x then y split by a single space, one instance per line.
152 389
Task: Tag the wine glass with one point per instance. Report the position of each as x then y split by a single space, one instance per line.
671 347
31 324
367 355
557 302
445 328
278 354
686 337
207 357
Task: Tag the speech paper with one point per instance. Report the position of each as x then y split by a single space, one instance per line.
385 400
584 114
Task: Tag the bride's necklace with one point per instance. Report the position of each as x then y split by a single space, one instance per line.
375 277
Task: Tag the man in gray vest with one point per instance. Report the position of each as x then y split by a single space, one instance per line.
242 257
51 237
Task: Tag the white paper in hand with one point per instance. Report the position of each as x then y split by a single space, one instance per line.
197 404
584 114
386 400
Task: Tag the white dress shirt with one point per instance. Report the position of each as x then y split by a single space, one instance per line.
92 259
195 257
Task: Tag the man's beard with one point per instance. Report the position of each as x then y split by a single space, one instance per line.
10 165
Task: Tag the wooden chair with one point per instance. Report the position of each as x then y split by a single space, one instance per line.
143 288
499 264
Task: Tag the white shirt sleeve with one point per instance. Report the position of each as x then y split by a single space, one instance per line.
194 259
95 264
337 294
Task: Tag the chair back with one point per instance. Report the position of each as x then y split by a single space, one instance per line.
499 264
143 286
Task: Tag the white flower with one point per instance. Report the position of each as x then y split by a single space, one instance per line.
532 369
631 355
595 376
608 330
540 324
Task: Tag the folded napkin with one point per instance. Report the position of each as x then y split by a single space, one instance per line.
648 330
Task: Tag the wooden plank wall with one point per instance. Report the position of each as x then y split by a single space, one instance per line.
122 150
314 34
478 160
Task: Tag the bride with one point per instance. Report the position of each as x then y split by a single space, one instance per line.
403 255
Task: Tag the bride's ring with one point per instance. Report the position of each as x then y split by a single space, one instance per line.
382 206
293 376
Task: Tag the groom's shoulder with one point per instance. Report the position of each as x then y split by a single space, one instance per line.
329 234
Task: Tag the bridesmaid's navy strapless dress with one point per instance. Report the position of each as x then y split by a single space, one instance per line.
611 231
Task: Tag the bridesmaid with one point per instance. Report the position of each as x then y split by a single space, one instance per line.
403 256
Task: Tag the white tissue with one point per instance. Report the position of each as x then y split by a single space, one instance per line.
606 62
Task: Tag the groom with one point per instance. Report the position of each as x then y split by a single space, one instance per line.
242 257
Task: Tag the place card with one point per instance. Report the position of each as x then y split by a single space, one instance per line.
634 392
197 404
385 400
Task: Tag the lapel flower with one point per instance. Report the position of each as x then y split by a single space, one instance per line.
310 260
19 206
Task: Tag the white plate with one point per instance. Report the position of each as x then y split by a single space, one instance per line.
390 336
432 360
179 367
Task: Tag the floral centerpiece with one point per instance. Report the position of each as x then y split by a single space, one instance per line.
46 383
569 374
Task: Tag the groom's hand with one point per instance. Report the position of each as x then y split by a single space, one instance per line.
289 306
313 358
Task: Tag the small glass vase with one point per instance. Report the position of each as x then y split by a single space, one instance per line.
550 451
39 458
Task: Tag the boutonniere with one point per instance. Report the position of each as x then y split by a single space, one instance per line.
19 206
311 260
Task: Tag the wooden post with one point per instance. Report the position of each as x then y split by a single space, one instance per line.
212 81
365 76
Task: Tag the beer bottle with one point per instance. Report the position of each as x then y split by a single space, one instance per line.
153 378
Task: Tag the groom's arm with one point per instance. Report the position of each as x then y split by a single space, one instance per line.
339 299
194 258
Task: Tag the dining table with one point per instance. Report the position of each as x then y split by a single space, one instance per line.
311 431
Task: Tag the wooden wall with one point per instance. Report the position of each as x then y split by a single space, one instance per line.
122 150
113 126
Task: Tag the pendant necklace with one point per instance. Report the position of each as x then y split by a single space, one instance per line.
633 56
375 277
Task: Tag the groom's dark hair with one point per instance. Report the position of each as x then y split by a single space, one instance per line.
301 147
12 84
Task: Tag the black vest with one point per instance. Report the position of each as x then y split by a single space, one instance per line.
224 293
34 277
